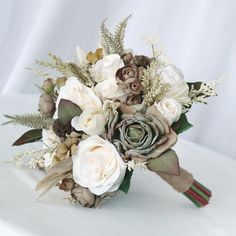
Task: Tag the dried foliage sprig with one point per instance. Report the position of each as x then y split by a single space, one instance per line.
32 158
110 108
82 72
158 51
114 43
40 73
36 121
153 89
199 94
68 69
56 63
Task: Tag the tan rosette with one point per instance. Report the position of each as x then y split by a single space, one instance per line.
128 75
87 199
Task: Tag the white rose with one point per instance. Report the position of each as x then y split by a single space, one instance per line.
98 166
106 68
170 109
108 89
78 93
50 140
179 89
105 71
90 121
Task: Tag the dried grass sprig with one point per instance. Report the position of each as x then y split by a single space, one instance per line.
68 69
153 89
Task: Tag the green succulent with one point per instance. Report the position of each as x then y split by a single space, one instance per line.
142 135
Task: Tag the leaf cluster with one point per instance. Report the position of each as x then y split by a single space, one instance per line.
114 43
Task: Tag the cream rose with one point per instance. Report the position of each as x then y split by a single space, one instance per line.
98 166
105 71
178 87
90 121
106 68
170 109
108 89
78 93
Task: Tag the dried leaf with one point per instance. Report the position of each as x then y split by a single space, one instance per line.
166 163
195 85
125 185
49 182
30 136
99 53
91 57
61 167
181 125
68 110
55 174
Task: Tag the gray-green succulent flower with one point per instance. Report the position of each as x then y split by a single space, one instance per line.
142 135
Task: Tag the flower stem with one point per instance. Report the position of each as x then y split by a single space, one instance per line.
198 194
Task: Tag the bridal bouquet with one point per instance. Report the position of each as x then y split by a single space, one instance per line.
106 113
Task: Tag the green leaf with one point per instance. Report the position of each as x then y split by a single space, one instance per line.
196 85
67 110
181 125
166 163
125 185
30 136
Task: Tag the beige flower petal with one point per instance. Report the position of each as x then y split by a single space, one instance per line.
153 111
170 142
125 109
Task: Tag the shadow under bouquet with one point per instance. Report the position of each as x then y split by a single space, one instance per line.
108 112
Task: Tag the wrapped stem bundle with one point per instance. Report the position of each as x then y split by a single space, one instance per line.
188 186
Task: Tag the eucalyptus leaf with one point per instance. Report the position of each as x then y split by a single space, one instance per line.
166 163
67 110
125 185
30 136
181 125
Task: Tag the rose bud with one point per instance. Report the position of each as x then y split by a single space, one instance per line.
142 61
140 72
61 129
134 100
83 196
135 87
127 58
46 105
48 86
67 184
61 82
127 75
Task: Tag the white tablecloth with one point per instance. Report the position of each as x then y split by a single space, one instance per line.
150 208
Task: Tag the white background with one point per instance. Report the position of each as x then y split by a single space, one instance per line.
199 36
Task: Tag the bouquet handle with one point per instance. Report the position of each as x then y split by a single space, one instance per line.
188 186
